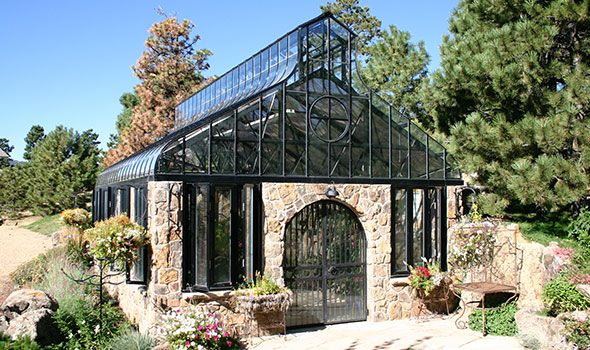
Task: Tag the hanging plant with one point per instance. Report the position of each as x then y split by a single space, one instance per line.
116 239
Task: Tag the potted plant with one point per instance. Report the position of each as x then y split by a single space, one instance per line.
265 302
432 286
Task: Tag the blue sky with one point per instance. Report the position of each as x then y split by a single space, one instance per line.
67 62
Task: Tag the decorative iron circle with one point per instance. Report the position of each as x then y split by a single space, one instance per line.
328 118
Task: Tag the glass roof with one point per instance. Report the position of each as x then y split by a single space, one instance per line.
265 69
297 109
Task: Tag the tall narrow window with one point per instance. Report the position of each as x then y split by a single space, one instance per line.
137 272
400 227
200 222
248 245
434 214
418 225
221 236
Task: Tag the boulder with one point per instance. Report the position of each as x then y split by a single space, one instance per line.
3 324
584 289
547 330
25 300
36 324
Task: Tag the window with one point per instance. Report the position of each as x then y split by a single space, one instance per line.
417 228
137 199
221 237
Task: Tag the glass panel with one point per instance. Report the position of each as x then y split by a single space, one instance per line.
248 133
434 220
418 152
248 217
272 147
418 225
197 150
435 160
201 196
221 236
399 148
400 227
453 171
132 210
222 145
359 130
171 158
379 138
137 273
295 129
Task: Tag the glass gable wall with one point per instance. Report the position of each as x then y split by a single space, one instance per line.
297 111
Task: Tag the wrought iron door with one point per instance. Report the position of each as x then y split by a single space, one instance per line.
324 265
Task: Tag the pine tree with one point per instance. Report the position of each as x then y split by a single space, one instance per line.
170 69
34 136
63 166
7 148
397 68
128 101
513 93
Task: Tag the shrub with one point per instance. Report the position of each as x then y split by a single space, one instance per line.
78 218
559 295
499 321
132 340
79 323
190 329
491 204
24 343
579 228
577 333
116 239
262 285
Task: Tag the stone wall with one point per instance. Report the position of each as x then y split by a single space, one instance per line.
387 298
143 304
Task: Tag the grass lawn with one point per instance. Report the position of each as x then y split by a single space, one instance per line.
47 225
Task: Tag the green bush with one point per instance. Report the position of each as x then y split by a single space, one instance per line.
579 228
559 295
499 321
577 333
491 204
132 340
79 323
24 343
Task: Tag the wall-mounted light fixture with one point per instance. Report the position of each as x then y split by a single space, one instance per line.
331 192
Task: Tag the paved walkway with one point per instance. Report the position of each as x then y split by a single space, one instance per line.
402 334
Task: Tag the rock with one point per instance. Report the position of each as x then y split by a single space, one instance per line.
26 300
36 324
579 316
584 289
3 324
547 330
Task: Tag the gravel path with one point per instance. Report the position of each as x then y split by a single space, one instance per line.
17 246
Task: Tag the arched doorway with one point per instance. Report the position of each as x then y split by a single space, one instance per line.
324 264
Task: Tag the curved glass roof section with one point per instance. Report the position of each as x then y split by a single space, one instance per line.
265 69
297 109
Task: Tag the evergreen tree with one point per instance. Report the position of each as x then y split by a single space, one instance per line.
128 101
13 189
63 166
397 68
7 148
513 93
358 18
169 70
35 135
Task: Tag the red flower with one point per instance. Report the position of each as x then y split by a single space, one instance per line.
423 271
229 343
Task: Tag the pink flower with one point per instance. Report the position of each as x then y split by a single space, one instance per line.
226 334
200 328
229 343
187 343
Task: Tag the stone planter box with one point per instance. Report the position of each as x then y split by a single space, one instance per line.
265 314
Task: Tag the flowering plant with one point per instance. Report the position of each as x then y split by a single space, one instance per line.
472 245
116 239
426 276
78 218
188 329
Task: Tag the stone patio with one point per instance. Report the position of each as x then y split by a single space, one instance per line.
399 334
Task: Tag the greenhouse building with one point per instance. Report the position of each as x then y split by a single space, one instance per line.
287 165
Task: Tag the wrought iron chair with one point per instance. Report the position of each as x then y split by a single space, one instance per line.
498 273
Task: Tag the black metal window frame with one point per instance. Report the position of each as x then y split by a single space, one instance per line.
141 218
237 254
426 247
